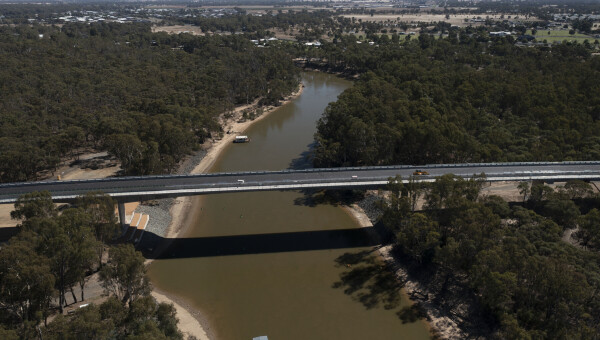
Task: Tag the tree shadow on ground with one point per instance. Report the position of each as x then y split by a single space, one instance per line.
373 283
410 314
368 280
312 197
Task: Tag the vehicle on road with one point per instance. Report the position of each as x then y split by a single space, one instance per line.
420 173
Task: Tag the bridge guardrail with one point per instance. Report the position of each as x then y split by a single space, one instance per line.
369 180
308 181
341 169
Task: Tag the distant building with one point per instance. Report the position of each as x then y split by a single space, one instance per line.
500 34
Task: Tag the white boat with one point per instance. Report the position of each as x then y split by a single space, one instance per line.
241 139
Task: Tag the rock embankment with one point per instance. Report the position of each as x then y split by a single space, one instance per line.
160 209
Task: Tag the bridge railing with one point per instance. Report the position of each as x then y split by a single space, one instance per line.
311 170
358 179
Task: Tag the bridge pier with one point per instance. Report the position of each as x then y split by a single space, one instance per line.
122 216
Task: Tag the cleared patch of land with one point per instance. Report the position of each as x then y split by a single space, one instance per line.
453 19
5 220
176 29
561 35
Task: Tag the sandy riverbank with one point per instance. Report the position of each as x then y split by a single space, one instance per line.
186 209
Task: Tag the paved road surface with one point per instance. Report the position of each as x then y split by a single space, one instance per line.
148 187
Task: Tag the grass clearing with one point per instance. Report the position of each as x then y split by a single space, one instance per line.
561 35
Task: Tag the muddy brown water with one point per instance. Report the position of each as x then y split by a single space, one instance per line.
280 263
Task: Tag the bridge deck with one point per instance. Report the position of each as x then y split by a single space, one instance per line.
148 187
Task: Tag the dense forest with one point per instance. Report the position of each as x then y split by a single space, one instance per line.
460 99
470 97
148 98
151 98
56 252
531 283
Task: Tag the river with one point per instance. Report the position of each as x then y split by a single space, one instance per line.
283 264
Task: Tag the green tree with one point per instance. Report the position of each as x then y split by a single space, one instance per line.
32 205
564 212
127 148
449 191
76 223
57 247
8 334
578 189
524 190
86 323
414 191
399 204
497 204
539 192
101 211
26 282
588 233
125 274
418 236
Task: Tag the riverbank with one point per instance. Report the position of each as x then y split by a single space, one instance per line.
184 211
232 124
440 322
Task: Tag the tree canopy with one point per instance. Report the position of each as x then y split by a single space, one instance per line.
56 250
531 283
464 98
147 98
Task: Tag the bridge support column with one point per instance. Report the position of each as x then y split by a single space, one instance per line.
122 216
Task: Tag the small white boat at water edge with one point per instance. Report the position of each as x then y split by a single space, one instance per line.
241 139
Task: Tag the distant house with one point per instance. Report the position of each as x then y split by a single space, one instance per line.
314 43
500 34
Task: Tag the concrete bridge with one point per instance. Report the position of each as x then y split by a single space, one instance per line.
131 189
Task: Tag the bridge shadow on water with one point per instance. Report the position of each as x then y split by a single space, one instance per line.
365 278
258 243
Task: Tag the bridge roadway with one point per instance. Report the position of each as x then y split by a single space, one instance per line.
127 189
